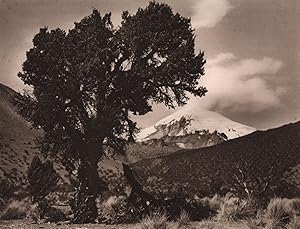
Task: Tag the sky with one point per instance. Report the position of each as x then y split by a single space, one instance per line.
252 49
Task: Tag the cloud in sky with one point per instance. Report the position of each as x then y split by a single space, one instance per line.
207 13
240 85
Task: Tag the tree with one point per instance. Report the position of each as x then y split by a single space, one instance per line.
87 82
42 178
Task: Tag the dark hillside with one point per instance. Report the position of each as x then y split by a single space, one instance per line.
17 146
259 159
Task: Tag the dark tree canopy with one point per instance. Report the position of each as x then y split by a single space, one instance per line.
159 48
86 82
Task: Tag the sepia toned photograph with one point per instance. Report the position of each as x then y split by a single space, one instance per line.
142 114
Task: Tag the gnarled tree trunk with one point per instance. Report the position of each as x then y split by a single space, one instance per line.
136 187
89 186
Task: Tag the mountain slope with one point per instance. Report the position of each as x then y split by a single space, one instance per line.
17 147
274 153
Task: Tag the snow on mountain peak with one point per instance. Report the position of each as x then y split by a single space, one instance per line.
189 120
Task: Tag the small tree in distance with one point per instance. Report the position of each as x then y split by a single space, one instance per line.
85 83
42 178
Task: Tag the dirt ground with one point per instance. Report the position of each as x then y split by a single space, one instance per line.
206 224
21 224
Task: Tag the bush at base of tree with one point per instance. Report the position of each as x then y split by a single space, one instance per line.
47 213
16 209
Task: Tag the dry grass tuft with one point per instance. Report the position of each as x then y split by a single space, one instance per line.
154 221
295 203
234 208
279 213
215 203
183 221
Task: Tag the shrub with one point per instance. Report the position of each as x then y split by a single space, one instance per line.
113 201
43 212
279 212
183 220
233 208
49 213
295 203
7 189
175 205
16 210
114 209
295 224
251 224
33 213
156 220
215 203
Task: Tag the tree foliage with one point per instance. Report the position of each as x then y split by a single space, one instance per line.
85 82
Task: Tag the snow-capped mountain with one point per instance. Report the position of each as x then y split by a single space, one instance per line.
194 121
